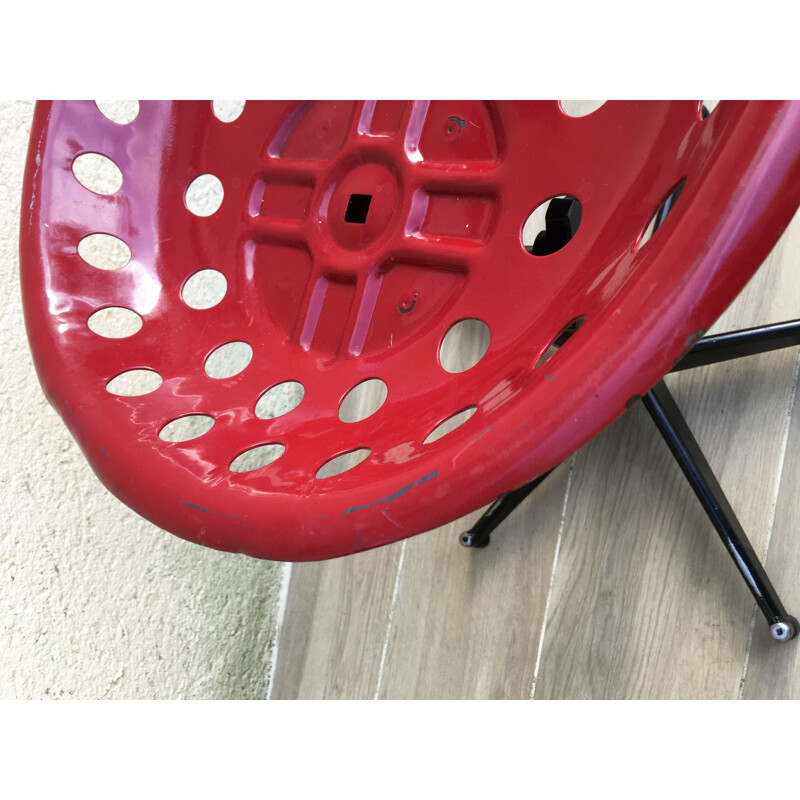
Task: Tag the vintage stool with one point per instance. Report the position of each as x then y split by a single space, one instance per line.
354 244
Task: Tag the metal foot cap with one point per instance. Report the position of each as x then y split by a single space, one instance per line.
783 630
470 539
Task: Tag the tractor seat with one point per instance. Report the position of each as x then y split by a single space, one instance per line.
321 327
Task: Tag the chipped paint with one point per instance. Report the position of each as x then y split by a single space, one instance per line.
692 340
632 401
206 510
396 496
393 521
38 160
482 433
73 415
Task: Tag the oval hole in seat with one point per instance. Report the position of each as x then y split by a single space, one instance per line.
228 360
279 400
257 457
450 424
464 345
580 108
114 322
660 214
342 463
204 289
122 112
363 400
185 428
97 173
566 333
104 251
134 383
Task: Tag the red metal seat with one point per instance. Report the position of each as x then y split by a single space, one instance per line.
353 237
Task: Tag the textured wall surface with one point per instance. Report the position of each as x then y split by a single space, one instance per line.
95 601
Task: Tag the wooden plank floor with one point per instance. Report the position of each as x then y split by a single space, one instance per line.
608 582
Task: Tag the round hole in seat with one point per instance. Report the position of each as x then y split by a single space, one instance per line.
204 195
227 110
552 225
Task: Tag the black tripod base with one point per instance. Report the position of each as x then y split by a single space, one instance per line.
684 447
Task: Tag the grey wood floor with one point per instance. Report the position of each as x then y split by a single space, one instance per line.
608 582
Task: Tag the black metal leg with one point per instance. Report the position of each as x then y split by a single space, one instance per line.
479 534
672 426
749 342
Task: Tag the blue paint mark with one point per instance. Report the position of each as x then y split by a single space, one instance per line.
482 433
73 414
104 451
397 495
207 511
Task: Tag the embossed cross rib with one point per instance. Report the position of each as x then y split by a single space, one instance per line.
421 207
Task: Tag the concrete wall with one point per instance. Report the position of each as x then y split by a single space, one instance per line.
95 601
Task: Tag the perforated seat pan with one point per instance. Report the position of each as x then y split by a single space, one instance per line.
329 305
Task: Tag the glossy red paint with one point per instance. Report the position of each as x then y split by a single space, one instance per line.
330 302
